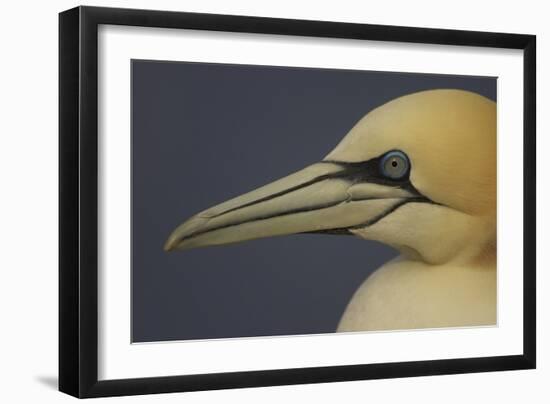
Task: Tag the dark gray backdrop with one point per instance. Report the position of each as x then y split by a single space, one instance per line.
203 133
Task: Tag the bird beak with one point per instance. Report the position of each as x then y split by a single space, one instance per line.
327 197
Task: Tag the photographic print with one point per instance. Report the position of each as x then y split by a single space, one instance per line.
272 201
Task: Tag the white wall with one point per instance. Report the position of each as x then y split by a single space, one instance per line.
28 203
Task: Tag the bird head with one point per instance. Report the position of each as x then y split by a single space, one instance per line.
417 173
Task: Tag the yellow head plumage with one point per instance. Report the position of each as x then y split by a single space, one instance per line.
449 137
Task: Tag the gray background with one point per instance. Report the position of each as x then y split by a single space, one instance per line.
203 133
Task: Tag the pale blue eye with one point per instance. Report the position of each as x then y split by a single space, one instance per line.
395 165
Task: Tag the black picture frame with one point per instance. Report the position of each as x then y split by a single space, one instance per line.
78 206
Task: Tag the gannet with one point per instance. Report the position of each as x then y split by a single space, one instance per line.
417 173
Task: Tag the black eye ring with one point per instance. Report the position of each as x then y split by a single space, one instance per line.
395 165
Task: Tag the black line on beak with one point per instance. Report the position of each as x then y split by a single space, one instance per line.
277 214
346 230
280 193
354 172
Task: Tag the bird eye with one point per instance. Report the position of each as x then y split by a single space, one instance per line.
394 165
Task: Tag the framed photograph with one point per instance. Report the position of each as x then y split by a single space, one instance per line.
251 201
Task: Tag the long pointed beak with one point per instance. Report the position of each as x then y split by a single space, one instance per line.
324 197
